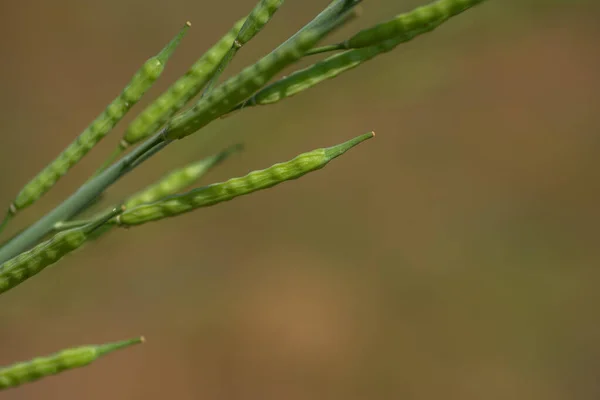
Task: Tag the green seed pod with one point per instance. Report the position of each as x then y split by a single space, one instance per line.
41 367
308 77
238 88
260 15
254 181
334 65
22 267
179 179
421 19
258 18
178 94
139 84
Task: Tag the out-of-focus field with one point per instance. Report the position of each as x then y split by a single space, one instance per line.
455 256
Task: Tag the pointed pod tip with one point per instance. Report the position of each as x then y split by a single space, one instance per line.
338 150
168 50
106 348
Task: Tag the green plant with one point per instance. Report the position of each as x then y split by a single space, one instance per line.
157 126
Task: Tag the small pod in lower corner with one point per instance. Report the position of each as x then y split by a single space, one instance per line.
228 190
41 367
22 267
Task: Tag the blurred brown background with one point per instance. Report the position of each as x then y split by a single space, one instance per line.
453 257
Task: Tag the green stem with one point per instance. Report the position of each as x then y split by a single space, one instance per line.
111 159
84 195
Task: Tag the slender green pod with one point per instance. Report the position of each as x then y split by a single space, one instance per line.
254 181
406 25
41 367
424 19
252 78
139 84
17 270
260 15
179 179
306 78
178 94
172 183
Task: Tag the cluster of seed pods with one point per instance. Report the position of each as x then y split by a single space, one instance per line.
180 92
238 88
235 187
17 270
161 200
99 128
41 367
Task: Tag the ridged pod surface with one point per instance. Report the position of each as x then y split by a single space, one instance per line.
178 94
308 77
260 15
28 371
424 18
228 190
98 129
22 267
178 180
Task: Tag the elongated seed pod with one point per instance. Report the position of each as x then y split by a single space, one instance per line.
254 181
260 15
41 367
336 64
252 78
421 19
22 267
258 18
139 84
179 179
172 183
308 77
178 94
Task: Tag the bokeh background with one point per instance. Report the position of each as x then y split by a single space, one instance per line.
455 256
